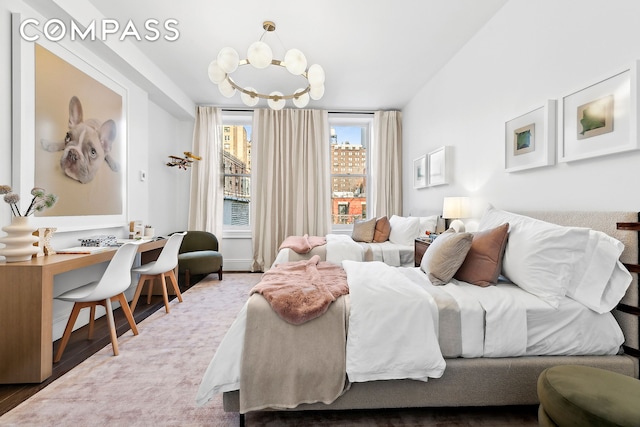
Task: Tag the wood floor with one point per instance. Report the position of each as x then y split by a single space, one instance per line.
78 349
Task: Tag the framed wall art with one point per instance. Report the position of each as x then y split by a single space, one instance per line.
530 139
420 172
437 167
600 119
58 96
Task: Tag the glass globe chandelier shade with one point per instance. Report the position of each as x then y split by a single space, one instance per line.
216 74
276 102
301 101
260 56
316 92
226 89
248 99
315 75
295 62
228 59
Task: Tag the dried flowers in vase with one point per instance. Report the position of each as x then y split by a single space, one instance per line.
40 200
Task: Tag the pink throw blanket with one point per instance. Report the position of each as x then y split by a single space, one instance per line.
302 290
303 244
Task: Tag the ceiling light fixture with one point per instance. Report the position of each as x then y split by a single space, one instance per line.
260 56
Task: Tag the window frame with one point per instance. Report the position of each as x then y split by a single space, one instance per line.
364 120
236 118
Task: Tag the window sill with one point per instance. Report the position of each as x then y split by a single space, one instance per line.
236 234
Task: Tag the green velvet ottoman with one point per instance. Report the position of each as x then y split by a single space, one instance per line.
572 395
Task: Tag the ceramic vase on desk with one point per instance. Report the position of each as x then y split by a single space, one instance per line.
19 240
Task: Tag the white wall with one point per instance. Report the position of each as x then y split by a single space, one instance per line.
167 188
529 52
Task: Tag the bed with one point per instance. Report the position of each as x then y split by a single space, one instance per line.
395 246
485 373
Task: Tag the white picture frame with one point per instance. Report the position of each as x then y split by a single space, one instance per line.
420 172
530 139
27 137
613 125
438 167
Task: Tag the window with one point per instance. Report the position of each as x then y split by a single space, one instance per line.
350 135
236 134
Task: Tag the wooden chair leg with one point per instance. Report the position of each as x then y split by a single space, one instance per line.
67 331
152 281
220 274
112 326
134 302
165 296
92 319
174 282
127 312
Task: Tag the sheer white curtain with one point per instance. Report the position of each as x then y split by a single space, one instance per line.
386 164
206 203
291 193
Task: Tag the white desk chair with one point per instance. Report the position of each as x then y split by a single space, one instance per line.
111 286
161 268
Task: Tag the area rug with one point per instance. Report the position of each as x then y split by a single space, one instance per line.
154 380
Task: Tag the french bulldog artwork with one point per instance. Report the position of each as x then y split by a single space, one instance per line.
86 146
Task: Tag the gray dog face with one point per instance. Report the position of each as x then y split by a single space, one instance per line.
86 145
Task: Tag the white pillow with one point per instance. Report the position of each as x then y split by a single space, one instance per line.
428 223
404 230
601 280
540 257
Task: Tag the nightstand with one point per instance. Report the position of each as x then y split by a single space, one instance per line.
421 246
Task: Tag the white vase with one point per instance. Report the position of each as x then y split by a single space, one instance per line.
19 240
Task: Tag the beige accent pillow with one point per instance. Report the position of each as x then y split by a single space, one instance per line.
484 261
445 255
382 231
363 230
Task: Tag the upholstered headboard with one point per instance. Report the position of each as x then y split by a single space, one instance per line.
607 223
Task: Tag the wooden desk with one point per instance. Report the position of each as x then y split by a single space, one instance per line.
26 310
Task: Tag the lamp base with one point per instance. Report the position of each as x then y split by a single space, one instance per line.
457 225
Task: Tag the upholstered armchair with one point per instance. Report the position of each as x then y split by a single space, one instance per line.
198 255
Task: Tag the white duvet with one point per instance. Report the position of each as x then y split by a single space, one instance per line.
393 326
497 321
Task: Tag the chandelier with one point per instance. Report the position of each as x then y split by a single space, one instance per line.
260 56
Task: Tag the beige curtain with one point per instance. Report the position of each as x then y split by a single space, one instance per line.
386 162
290 179
206 203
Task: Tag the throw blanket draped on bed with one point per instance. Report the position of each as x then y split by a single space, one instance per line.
292 364
303 290
303 244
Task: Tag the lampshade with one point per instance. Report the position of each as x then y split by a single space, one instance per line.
456 208
260 56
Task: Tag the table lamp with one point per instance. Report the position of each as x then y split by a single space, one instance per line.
455 208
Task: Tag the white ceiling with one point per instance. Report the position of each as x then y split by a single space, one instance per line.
376 54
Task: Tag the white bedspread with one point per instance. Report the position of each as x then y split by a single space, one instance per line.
393 326
341 247
387 252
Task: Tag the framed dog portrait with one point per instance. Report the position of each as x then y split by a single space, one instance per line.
70 136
